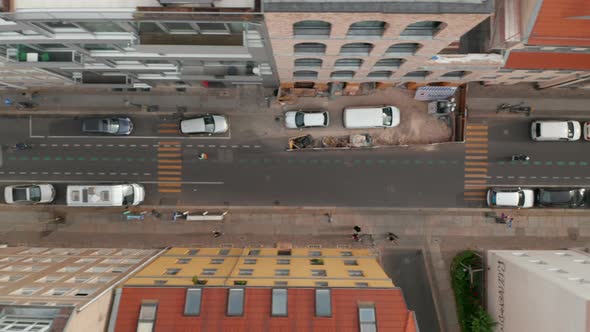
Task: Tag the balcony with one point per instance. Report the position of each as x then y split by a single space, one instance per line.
94 79
30 58
475 61
190 43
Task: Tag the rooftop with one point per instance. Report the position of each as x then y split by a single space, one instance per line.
262 309
562 23
548 61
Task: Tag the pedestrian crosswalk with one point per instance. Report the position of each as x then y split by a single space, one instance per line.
169 167
476 162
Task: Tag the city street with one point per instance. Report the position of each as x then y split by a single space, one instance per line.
248 166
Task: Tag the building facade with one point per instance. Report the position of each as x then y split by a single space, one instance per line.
62 289
261 289
137 43
539 290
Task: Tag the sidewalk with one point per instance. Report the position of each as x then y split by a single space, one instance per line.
441 233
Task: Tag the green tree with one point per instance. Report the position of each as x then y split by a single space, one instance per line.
481 321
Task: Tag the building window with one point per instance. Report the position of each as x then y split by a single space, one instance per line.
318 273
389 63
310 48
235 302
518 77
323 303
58 291
403 49
367 318
346 253
246 272
281 272
250 261
356 49
223 252
505 71
214 28
366 29
355 273
160 282
281 283
361 284
303 74
254 252
422 29
546 77
85 261
119 269
183 261
308 62
417 74
455 74
84 292
283 261
340 74
489 77
102 280
279 302
55 278
172 272
192 304
348 63
535 71
350 262
216 261
70 269
312 29
147 317
284 252
192 252
101 27
208 272
25 291
380 74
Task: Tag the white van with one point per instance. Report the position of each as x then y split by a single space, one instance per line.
552 130
371 117
105 194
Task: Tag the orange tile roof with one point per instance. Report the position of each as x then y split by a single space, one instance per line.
391 310
548 61
559 23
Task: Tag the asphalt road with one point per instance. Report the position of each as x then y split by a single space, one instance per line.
245 169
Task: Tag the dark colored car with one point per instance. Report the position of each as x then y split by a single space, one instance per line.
107 126
559 197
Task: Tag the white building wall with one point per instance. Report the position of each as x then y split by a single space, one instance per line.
541 291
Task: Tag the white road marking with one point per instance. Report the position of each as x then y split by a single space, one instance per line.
65 145
76 144
43 144
89 173
56 173
79 173
11 173
122 145
98 145
132 145
22 173
235 146
134 173
189 146
147 173
201 145
257 146
212 146
115 181
245 146
88 145
45 173
101 173
67 173
146 137
53 144
144 145
33 173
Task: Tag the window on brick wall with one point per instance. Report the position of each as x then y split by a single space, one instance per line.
311 29
303 74
403 49
389 63
418 74
366 29
308 62
310 48
356 49
422 29
342 74
380 74
348 63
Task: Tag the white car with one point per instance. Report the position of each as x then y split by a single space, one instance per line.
587 131
206 124
511 197
29 194
300 119
555 130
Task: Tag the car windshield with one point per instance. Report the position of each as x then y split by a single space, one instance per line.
299 119
128 195
35 193
538 129
520 198
387 116
570 130
209 124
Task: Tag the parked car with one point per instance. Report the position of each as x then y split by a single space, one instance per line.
29 194
371 117
511 197
560 197
107 126
206 124
300 119
587 131
554 130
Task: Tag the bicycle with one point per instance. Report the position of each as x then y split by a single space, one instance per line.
515 108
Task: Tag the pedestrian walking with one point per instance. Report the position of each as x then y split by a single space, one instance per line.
509 223
330 219
356 237
217 234
357 228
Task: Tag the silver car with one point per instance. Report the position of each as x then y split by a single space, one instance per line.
29 194
107 126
